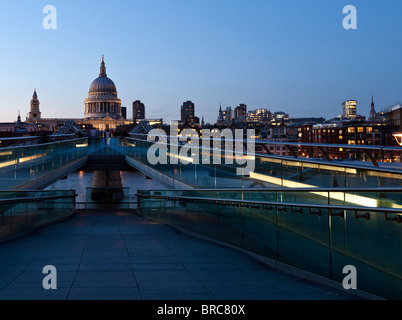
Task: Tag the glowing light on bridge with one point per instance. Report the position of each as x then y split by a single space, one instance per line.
348 198
398 138
21 160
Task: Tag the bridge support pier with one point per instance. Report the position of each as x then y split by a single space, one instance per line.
107 185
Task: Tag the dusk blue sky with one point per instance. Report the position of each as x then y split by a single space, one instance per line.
284 55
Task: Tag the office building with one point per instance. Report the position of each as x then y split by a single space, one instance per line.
228 115
138 110
187 111
350 109
259 115
241 112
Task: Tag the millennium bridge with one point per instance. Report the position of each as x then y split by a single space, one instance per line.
285 230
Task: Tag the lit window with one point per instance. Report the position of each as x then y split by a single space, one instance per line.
351 130
360 130
369 129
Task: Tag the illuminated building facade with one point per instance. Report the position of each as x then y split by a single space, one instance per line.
349 109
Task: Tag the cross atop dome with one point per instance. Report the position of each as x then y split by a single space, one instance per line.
103 68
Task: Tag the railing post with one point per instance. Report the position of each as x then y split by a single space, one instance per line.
277 228
242 227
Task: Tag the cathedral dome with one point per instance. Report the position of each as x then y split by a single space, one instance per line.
103 101
102 84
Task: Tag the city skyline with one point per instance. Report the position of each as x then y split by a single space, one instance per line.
284 57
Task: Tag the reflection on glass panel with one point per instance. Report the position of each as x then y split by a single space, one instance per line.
22 165
285 226
24 211
373 245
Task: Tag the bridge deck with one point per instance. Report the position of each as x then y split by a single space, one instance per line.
123 256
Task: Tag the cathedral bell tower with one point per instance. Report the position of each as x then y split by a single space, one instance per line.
35 114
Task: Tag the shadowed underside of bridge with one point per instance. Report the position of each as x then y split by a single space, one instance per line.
126 257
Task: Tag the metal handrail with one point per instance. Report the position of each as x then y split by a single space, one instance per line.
33 190
299 144
389 189
20 138
264 204
36 199
42 144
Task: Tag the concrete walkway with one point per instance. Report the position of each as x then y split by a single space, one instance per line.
125 257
